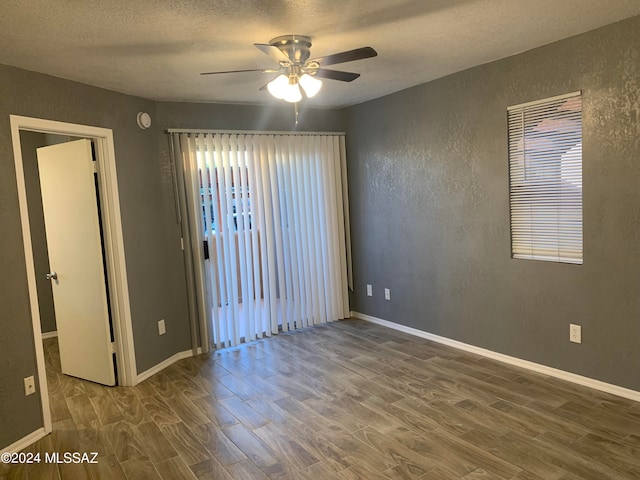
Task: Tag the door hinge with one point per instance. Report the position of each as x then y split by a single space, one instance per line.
113 347
95 167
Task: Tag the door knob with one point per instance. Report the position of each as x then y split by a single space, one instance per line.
52 276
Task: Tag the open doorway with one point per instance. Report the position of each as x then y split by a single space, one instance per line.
102 141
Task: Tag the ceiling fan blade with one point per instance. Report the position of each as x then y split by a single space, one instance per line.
336 75
239 71
273 52
348 56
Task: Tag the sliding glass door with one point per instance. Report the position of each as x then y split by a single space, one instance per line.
269 210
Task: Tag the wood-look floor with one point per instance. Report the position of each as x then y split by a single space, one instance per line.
350 400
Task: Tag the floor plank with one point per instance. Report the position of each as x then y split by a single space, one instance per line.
221 447
174 469
186 443
140 469
156 445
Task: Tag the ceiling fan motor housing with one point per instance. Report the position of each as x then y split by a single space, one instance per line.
295 47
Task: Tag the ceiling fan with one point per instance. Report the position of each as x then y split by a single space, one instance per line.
296 70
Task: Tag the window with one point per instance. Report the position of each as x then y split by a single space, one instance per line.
240 198
545 179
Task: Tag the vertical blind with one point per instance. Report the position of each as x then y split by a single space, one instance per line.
545 176
269 210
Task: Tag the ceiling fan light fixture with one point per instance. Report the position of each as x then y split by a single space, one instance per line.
278 86
310 85
292 93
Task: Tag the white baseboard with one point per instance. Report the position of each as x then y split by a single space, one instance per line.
518 362
24 442
164 364
46 335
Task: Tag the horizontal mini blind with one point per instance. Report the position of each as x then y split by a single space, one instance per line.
545 179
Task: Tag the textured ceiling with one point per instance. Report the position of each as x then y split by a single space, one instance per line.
156 48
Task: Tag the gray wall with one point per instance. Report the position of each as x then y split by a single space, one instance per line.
247 117
153 256
151 232
17 354
428 185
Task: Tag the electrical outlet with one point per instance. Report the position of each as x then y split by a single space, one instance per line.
387 294
161 327
29 385
369 291
575 333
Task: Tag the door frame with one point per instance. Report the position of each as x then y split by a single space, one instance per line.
113 241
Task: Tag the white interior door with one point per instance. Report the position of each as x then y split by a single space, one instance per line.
74 244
